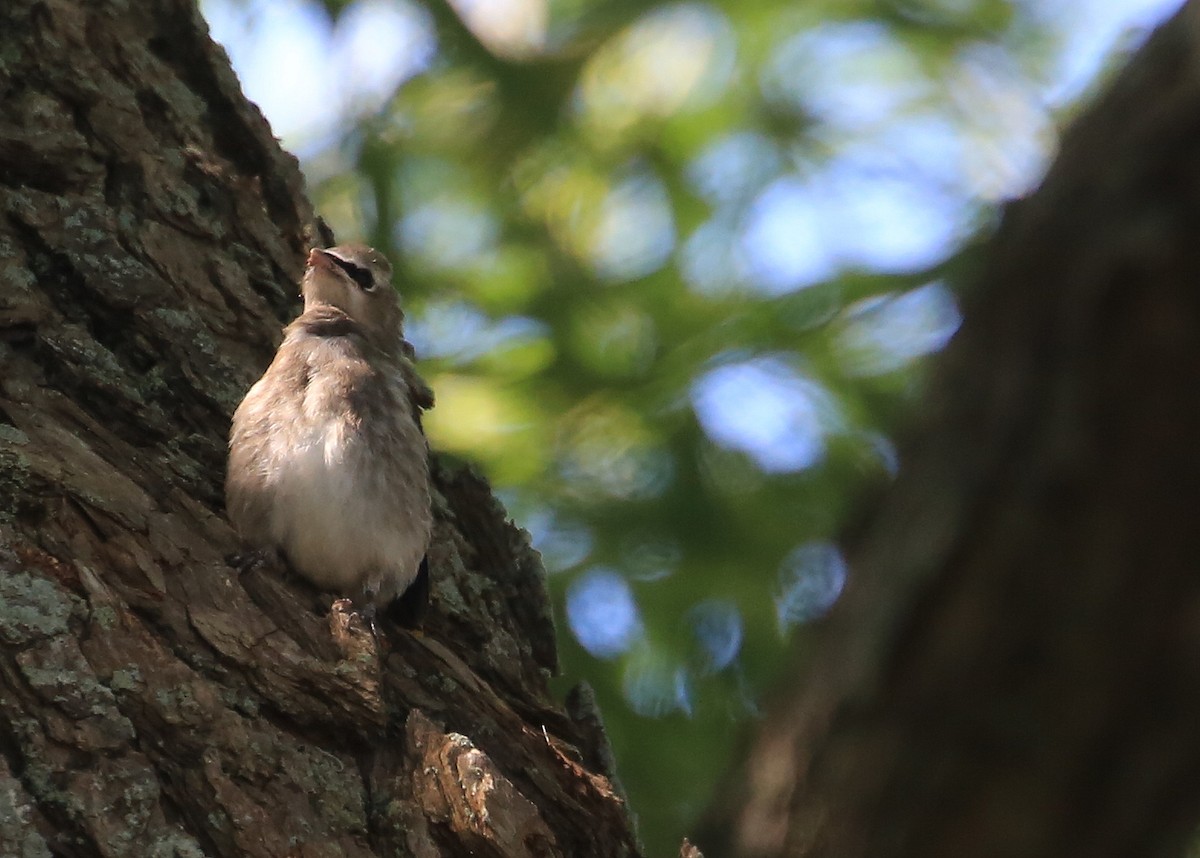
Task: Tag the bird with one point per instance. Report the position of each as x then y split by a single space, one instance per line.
328 464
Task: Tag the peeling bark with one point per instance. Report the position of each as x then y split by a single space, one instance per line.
153 701
1015 668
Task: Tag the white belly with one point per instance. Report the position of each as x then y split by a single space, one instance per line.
340 525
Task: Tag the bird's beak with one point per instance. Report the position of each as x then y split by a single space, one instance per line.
318 258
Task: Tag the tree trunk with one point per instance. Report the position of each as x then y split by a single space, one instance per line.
1015 667
152 701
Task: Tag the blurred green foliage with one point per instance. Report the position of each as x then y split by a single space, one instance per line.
598 210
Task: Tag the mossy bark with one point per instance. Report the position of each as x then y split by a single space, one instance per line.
152 700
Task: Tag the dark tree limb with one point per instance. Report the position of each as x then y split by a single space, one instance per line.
152 700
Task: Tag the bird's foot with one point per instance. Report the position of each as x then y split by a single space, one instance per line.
348 626
347 609
368 614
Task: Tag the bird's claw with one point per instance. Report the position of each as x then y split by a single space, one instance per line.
365 614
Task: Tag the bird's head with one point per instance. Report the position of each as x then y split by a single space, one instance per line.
357 280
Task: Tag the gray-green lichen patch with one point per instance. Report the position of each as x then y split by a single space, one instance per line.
93 365
174 844
18 836
32 608
152 384
125 679
15 478
331 785
12 435
186 325
20 301
105 617
117 802
57 672
186 703
39 777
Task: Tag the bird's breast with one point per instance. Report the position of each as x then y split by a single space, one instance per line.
351 491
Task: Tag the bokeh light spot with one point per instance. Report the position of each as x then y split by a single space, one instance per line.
883 334
886 221
447 233
712 262
717 625
810 580
675 57
783 238
511 28
378 44
766 409
654 685
635 232
608 450
602 613
735 167
562 542
649 558
848 75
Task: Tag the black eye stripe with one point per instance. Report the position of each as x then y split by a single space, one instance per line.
359 275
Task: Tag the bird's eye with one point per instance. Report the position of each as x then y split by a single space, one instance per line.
358 274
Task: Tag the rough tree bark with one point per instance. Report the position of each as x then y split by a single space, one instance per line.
153 702
1015 669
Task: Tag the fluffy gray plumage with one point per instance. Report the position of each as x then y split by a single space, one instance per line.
327 461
